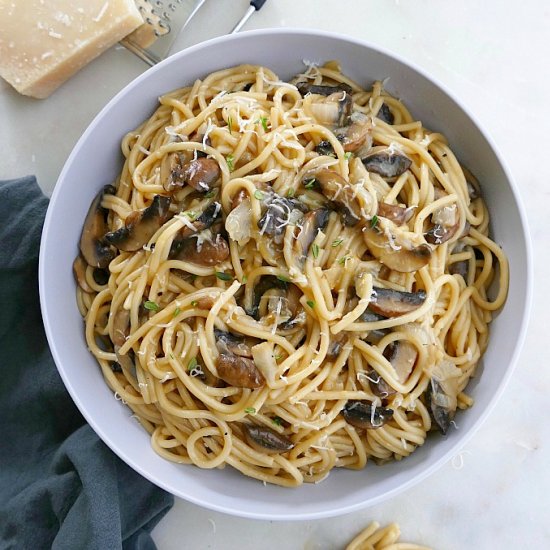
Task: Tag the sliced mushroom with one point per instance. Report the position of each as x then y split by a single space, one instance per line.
79 271
386 162
313 222
395 250
265 283
265 440
332 111
201 174
238 199
363 414
446 223
460 268
121 327
393 303
357 134
378 385
325 148
101 276
306 88
343 194
402 355
206 248
240 372
140 225
385 114
399 215
374 336
232 344
94 249
336 345
442 394
280 212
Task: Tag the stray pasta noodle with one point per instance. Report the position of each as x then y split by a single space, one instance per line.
288 277
374 537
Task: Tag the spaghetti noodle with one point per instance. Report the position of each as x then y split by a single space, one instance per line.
288 277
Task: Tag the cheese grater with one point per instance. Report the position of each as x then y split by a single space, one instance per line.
164 19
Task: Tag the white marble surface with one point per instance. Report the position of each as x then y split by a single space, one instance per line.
492 54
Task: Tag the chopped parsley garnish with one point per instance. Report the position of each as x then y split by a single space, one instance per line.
263 122
191 215
245 278
315 250
258 195
337 242
177 311
151 306
347 155
290 193
283 279
194 303
223 276
192 364
374 221
311 303
230 125
309 183
250 410
210 193
230 159
277 421
342 260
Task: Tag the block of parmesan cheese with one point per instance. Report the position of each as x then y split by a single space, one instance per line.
44 42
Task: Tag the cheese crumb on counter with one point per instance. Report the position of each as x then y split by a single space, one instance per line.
42 44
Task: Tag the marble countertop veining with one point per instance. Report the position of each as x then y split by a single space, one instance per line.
493 55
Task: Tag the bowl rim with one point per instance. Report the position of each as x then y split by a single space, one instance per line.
433 466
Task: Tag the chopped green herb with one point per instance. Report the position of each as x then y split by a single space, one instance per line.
210 193
374 221
223 276
278 357
337 242
250 410
347 155
192 364
309 183
277 421
151 306
311 303
193 277
194 303
191 215
263 121
177 311
230 159
230 125
315 250
283 279
258 195
245 278
172 356
342 260
290 193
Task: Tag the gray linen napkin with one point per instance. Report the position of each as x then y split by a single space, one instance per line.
60 486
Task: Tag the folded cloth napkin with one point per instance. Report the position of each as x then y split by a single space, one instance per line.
60 486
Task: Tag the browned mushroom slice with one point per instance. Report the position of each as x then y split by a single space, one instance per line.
356 134
373 336
201 174
386 163
392 303
338 190
398 254
402 355
207 250
238 199
446 223
265 440
306 88
94 249
232 344
121 327
140 225
363 414
279 213
332 111
79 271
397 214
203 221
460 268
264 284
385 115
313 222
442 394
336 345
240 372
378 385
325 148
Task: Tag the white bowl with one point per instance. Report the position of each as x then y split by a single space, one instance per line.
96 160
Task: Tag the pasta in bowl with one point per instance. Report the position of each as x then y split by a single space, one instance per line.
288 276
